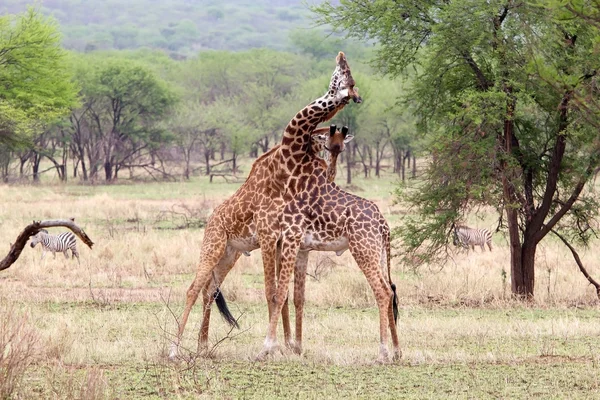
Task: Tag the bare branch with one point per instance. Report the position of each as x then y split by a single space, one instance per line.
579 263
34 228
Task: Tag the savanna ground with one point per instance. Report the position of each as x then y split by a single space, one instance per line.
101 329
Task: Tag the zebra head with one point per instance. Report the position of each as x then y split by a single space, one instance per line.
38 237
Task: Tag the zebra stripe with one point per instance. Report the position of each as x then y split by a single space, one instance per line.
56 243
465 237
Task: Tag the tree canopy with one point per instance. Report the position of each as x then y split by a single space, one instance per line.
34 76
503 92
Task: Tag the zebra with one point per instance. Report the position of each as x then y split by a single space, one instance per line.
465 237
56 243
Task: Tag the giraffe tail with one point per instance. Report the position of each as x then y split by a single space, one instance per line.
388 250
395 304
223 309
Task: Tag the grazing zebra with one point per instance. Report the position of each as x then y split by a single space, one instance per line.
465 237
56 243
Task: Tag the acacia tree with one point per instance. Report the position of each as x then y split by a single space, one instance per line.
123 105
501 90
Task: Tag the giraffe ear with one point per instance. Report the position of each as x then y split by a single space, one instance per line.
348 138
332 129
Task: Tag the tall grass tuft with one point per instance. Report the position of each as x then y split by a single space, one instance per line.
19 349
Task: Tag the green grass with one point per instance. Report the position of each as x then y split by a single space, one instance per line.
537 365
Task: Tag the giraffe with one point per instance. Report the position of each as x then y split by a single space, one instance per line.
333 142
249 220
318 215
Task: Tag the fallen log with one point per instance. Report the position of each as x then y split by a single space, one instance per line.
34 228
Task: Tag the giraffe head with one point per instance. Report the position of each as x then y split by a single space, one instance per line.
334 141
342 83
338 140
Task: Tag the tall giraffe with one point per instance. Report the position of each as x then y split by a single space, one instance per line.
333 142
318 215
231 231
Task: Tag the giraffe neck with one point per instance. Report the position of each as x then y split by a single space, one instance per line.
331 160
296 142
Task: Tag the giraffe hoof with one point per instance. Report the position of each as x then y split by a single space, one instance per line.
173 353
397 356
266 352
382 360
297 349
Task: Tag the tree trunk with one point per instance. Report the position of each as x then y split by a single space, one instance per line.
414 166
403 165
207 161
37 158
108 171
234 162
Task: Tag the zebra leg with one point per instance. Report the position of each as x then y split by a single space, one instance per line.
43 254
66 253
490 245
75 253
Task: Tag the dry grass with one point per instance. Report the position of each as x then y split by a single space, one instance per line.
106 323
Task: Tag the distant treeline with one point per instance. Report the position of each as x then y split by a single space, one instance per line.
106 112
181 27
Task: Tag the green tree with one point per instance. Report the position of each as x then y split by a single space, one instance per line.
501 90
34 76
124 104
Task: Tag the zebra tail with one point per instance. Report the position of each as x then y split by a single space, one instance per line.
389 264
223 309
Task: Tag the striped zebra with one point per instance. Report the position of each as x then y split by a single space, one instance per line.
465 237
56 243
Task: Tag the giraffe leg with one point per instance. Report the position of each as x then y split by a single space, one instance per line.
223 267
207 301
289 250
212 250
285 311
369 263
268 248
299 289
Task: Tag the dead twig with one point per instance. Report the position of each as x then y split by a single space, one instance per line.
34 228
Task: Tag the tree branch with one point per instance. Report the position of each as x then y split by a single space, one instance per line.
579 263
34 228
